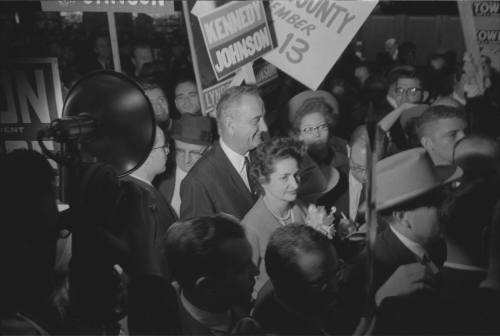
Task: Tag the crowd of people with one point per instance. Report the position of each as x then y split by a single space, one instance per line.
253 221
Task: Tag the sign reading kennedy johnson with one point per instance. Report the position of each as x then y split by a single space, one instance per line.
235 34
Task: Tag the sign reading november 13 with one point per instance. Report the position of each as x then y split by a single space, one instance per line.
235 34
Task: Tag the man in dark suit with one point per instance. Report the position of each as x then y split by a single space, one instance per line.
143 176
192 136
466 263
219 181
409 192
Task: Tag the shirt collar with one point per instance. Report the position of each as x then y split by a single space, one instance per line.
236 159
415 248
179 173
220 322
141 179
464 267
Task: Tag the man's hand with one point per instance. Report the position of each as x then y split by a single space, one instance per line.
407 279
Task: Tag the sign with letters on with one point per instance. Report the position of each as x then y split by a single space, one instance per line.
123 6
312 34
487 24
264 73
235 34
30 98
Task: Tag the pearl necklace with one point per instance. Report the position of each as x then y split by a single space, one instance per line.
283 220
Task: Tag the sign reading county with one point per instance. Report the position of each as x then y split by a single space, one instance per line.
312 34
123 6
30 98
234 35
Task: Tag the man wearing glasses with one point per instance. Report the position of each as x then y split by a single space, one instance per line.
143 176
193 136
406 90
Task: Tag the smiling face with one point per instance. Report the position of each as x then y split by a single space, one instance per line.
246 124
283 182
186 98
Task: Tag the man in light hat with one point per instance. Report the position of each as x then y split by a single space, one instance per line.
409 191
193 136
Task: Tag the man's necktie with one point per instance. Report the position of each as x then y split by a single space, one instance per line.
251 183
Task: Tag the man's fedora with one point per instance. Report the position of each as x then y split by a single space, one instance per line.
297 101
193 129
410 174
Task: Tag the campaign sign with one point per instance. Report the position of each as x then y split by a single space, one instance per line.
264 73
487 23
312 34
122 6
30 98
234 35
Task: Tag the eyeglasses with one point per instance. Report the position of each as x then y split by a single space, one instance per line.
165 148
313 129
409 92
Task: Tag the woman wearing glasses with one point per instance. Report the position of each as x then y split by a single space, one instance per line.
274 171
313 124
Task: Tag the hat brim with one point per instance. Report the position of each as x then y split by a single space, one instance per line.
448 174
189 140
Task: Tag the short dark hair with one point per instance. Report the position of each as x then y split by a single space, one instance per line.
284 247
233 95
265 156
193 247
437 112
314 105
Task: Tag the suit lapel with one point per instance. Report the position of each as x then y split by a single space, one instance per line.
222 161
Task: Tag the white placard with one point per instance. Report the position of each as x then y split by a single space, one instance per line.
312 34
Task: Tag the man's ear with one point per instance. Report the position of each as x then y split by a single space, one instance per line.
426 142
205 285
426 96
229 125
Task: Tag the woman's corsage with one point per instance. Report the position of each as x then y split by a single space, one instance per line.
320 220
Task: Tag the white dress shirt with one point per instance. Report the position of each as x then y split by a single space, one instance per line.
238 162
355 188
415 248
176 196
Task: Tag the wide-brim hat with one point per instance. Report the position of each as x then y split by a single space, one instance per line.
297 101
412 113
193 129
408 175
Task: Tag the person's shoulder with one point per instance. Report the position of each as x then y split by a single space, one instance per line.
253 217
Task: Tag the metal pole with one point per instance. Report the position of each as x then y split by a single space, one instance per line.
113 39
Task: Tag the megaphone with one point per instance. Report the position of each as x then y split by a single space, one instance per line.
107 118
